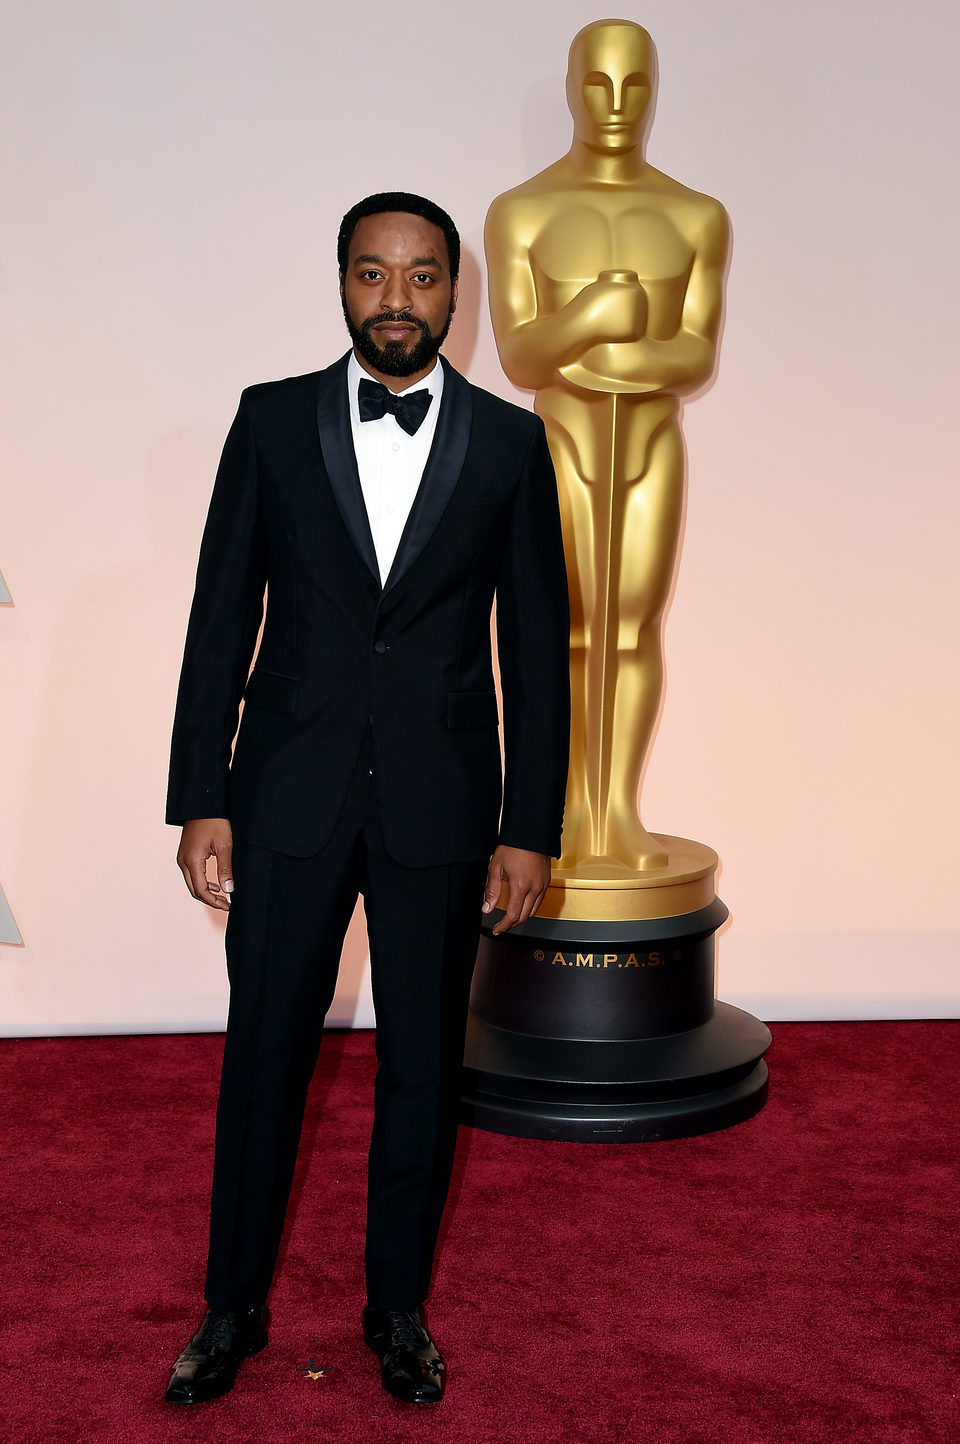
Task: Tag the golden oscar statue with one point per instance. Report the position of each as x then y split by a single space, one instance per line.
606 292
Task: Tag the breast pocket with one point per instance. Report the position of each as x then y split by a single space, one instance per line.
469 508
271 691
474 516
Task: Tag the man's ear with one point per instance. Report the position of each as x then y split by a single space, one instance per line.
453 293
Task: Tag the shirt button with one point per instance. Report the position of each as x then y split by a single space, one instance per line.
396 446
380 648
390 506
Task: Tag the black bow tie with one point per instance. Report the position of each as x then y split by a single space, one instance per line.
376 399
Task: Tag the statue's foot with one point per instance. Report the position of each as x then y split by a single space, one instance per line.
629 842
619 863
648 859
622 846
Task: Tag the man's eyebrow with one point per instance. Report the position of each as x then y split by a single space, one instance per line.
417 261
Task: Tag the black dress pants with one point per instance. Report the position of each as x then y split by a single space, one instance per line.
288 918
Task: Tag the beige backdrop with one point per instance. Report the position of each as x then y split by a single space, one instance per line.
173 176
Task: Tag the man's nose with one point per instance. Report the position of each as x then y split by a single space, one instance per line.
397 294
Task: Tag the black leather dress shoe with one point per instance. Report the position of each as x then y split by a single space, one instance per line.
208 1365
410 1364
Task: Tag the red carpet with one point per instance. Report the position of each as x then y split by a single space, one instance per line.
791 1279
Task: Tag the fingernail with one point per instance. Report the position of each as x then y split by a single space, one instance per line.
228 884
488 907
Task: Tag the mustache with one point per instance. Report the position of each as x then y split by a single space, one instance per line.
402 316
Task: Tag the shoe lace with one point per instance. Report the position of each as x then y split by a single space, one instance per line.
406 1332
219 1332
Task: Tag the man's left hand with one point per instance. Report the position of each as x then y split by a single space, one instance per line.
526 875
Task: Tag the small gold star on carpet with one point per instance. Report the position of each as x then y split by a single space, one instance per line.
313 1370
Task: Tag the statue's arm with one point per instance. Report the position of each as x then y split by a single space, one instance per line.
534 346
687 359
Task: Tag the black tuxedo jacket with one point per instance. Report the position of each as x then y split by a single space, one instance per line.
340 653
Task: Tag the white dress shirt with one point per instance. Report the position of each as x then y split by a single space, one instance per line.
390 462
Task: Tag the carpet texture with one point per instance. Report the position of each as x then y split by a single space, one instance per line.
791 1280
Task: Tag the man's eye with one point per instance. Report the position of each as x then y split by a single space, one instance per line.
423 276
370 275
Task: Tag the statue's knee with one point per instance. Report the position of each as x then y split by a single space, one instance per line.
640 634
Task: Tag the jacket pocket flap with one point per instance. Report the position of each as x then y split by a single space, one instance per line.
472 709
271 691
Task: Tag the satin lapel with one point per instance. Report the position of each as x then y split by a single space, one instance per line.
340 460
441 473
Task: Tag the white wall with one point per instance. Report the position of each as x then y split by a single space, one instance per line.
173 176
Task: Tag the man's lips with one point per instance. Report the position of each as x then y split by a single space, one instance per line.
394 328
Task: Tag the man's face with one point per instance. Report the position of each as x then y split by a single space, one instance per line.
609 85
397 294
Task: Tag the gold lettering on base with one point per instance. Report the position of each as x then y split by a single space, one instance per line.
606 960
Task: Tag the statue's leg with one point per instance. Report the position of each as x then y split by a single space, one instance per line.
648 528
577 500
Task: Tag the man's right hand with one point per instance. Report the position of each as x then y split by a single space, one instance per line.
203 838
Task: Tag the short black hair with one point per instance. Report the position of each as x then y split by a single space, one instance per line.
376 205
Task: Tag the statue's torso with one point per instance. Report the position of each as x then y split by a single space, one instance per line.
575 245
578 231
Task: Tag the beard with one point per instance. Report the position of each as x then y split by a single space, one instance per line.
394 359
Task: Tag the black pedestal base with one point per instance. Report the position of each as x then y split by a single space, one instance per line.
608 1033
637 1092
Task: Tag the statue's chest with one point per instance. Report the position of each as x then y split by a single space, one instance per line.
579 241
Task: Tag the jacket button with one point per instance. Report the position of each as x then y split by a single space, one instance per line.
380 647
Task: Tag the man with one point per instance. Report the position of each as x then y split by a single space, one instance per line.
384 503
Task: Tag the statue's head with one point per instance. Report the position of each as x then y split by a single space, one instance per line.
610 81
